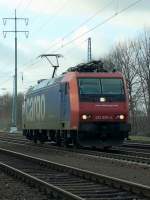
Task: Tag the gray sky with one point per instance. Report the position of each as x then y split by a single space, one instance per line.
53 24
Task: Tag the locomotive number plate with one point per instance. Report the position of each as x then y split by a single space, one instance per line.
103 117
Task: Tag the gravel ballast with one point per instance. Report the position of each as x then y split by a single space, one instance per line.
110 167
12 189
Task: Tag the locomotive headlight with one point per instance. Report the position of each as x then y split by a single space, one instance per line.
102 99
84 117
121 117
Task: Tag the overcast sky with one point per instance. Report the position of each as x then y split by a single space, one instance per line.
53 24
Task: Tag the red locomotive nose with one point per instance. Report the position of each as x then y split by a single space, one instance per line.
103 112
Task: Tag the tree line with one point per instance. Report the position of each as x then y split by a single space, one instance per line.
6 102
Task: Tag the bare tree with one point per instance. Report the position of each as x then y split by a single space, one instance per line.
6 111
143 49
124 59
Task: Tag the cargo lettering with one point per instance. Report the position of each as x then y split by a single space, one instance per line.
35 108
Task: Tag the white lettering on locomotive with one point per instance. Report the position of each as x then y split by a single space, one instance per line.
35 108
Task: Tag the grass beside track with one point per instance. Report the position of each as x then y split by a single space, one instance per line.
140 138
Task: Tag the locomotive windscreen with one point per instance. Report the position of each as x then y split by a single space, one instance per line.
92 89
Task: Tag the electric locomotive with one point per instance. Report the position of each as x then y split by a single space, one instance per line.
85 106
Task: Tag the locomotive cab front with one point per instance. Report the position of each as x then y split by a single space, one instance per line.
103 109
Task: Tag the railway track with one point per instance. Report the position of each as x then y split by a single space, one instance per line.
120 153
126 148
65 182
137 145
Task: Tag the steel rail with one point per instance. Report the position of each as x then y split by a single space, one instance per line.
137 145
41 185
120 184
137 157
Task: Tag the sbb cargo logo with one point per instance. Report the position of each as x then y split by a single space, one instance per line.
35 108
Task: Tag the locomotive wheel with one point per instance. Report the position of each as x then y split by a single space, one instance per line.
76 143
35 139
75 140
41 140
66 142
107 148
58 139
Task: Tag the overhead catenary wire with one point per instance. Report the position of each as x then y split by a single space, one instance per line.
65 36
88 19
82 24
27 5
49 20
58 10
7 80
68 34
93 28
18 4
35 18
100 24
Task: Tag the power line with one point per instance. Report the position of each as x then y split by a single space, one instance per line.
57 12
65 36
28 64
88 19
82 24
19 4
93 28
34 63
100 24
5 81
27 5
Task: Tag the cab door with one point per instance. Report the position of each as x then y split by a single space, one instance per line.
64 105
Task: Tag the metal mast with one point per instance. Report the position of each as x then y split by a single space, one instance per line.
89 56
13 102
15 31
